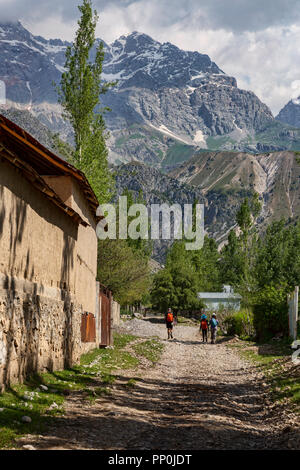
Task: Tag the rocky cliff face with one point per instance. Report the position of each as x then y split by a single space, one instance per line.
157 188
32 125
274 176
220 204
221 180
290 113
167 104
179 92
29 66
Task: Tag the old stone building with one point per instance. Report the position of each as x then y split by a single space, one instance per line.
48 258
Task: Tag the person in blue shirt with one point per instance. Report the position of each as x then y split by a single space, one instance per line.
213 328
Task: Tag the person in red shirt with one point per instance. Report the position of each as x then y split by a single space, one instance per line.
204 327
169 323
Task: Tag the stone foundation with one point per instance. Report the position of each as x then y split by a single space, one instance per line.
39 329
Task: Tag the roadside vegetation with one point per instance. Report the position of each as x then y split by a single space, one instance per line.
30 407
274 360
262 268
150 349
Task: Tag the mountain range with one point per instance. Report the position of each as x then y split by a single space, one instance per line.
168 104
180 128
290 113
220 181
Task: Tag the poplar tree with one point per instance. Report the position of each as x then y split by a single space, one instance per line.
79 94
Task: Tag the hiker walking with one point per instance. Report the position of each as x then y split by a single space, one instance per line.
213 328
204 327
169 323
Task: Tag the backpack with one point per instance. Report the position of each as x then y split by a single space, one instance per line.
169 317
203 325
214 323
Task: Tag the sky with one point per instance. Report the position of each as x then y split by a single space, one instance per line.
256 41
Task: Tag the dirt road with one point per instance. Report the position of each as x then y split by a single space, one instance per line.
199 396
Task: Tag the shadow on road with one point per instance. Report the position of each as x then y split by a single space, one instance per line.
161 415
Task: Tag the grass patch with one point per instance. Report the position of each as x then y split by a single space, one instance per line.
151 349
178 153
274 359
120 341
131 383
42 396
218 143
99 391
24 400
184 320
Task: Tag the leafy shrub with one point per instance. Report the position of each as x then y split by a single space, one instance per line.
239 323
270 312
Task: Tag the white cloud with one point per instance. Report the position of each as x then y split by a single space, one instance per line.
266 62
295 89
51 28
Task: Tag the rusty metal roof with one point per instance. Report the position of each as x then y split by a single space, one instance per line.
32 157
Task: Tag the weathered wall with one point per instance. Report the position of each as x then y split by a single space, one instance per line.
85 251
37 240
47 279
39 329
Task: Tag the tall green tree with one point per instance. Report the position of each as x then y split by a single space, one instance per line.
176 286
231 264
247 243
79 94
142 245
123 265
278 259
124 271
277 271
206 263
163 293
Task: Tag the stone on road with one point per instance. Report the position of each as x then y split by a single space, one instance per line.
198 396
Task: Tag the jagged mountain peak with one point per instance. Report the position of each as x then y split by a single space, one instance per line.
296 101
13 25
137 59
14 31
290 113
140 39
167 101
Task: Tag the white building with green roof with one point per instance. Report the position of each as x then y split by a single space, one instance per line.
227 299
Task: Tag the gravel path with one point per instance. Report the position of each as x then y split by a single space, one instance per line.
199 396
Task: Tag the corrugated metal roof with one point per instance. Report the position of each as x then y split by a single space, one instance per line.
219 295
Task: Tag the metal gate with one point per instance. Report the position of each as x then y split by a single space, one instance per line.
105 309
88 328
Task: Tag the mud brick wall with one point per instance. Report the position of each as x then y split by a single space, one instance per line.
48 267
39 329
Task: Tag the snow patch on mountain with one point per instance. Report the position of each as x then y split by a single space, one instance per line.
199 138
169 133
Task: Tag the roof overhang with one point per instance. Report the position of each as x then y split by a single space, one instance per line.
35 160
